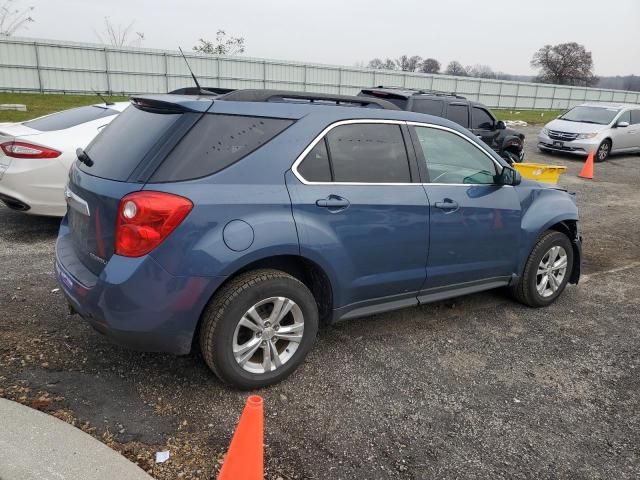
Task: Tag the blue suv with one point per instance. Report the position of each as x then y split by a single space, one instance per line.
241 222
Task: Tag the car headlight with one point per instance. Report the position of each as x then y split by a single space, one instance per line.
545 131
583 136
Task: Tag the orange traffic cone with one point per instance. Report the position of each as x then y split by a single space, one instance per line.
587 170
244 460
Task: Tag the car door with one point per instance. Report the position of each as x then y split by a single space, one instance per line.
634 128
474 223
623 137
484 126
362 213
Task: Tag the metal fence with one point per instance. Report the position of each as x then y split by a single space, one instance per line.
51 66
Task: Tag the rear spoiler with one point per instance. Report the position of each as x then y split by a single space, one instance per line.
171 103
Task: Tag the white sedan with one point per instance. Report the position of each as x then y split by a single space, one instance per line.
35 156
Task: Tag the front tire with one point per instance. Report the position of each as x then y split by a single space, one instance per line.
547 271
603 151
258 328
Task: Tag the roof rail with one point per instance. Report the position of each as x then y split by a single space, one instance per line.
251 95
424 91
201 92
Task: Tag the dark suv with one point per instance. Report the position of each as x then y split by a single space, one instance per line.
472 115
239 222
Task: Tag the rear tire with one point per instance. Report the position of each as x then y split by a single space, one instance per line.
550 258
603 151
242 320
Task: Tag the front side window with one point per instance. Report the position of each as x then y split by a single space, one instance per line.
362 153
453 160
482 120
635 117
459 114
625 117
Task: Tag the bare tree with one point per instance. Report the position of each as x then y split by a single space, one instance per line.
223 45
564 64
378 64
480 71
119 35
456 68
430 65
408 64
12 18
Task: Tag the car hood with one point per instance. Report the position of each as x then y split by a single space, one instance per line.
574 127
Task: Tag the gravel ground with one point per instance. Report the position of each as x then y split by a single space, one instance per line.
479 387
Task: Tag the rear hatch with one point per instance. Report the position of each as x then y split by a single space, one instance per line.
123 157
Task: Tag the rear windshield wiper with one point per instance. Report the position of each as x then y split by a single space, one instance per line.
83 157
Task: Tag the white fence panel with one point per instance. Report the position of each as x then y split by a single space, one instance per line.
28 64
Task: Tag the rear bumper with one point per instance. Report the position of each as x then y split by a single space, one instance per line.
134 301
33 186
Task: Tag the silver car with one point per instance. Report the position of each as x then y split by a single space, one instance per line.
602 128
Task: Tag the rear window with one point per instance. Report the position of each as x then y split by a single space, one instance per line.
122 145
69 118
216 142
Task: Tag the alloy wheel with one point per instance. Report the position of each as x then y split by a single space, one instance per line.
268 335
551 271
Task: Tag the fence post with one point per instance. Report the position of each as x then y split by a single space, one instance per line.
166 72
106 69
304 78
40 86
500 93
517 95
264 74
339 81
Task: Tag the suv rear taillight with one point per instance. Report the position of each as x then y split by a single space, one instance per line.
28 150
145 219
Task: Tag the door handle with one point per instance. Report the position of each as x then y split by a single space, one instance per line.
333 202
448 204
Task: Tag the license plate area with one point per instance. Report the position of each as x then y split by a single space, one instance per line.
558 144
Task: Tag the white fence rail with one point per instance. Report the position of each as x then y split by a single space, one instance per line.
51 66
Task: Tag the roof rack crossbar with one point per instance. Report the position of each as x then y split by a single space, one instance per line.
255 95
421 90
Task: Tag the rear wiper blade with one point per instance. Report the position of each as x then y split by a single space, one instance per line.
83 157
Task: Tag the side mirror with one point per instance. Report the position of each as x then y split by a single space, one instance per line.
622 124
501 125
509 176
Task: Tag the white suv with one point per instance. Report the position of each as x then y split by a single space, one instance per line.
593 127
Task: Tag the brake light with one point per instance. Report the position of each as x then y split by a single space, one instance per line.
28 150
145 219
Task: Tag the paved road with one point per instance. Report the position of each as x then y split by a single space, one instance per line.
479 387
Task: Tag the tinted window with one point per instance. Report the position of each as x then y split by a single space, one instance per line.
315 166
458 114
452 159
369 153
635 117
122 144
428 106
625 117
481 119
69 118
216 142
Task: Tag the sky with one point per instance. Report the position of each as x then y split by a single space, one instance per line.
503 35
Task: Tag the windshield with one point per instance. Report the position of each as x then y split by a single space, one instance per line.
598 115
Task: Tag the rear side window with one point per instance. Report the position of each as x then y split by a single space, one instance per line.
458 114
122 145
635 117
363 153
216 142
481 119
316 167
428 106
70 118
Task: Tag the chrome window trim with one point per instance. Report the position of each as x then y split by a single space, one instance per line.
324 132
321 135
